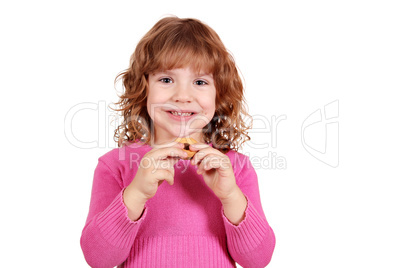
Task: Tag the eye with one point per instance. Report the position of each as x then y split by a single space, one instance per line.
200 82
166 80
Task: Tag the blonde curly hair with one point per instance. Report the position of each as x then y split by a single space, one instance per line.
176 43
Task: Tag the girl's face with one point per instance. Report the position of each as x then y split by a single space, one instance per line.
180 103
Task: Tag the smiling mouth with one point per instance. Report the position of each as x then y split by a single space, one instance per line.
181 114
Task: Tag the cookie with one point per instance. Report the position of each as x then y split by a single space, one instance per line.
187 141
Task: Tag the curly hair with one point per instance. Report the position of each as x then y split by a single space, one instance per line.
176 43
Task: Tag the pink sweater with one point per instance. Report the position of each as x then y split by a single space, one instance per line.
183 225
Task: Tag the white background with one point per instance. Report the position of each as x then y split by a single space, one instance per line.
295 57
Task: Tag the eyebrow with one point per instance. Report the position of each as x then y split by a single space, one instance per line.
169 72
205 74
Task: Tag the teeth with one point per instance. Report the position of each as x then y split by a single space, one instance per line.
180 114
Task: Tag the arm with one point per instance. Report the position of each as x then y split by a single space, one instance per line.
251 242
109 233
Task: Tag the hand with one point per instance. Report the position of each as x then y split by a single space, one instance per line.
216 170
155 167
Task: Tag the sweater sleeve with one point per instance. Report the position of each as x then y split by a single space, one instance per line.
250 243
108 234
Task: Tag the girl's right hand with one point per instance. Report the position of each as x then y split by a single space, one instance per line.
155 167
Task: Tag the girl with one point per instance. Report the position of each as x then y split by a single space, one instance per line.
181 83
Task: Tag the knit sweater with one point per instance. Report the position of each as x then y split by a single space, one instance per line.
183 225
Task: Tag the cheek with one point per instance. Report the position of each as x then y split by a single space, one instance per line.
149 102
212 103
152 101
209 107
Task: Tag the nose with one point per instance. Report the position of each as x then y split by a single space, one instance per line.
182 93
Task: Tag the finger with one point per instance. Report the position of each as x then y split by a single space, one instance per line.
217 162
204 152
209 162
201 166
167 145
166 164
164 175
172 162
156 150
198 146
172 152
212 162
197 158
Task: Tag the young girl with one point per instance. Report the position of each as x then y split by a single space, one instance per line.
181 83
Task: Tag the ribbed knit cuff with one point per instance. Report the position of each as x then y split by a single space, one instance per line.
249 233
115 225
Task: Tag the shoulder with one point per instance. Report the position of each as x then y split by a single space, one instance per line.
239 161
243 168
126 155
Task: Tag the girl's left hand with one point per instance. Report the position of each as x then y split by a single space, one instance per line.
216 169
